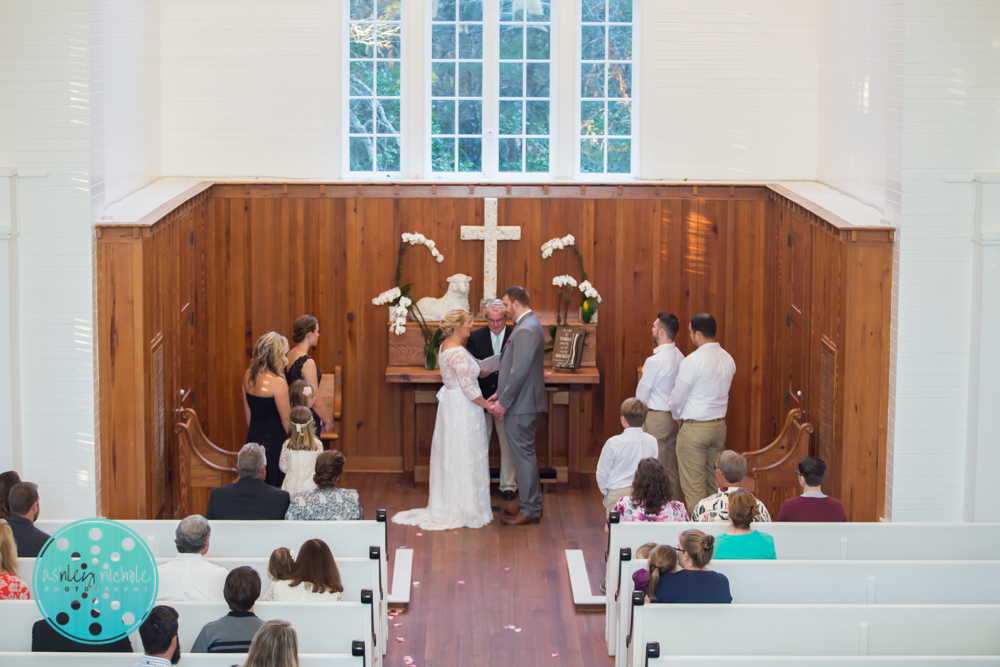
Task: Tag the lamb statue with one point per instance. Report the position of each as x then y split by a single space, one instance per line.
457 296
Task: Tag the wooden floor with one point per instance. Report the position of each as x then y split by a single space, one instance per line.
454 625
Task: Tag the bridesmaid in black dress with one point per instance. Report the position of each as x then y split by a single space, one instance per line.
265 399
305 335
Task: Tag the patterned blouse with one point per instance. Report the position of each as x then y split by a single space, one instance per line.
629 511
716 507
326 504
12 588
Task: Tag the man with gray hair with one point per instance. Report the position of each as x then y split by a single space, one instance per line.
250 498
730 469
484 343
188 576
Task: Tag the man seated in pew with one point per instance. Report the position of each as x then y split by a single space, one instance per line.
326 502
24 510
275 645
233 632
315 577
160 641
250 498
813 504
188 576
730 469
621 454
694 583
741 541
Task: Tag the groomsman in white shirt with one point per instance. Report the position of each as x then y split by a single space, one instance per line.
699 400
659 373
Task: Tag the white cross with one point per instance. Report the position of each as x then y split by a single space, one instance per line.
490 233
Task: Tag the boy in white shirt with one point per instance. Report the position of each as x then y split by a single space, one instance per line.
622 453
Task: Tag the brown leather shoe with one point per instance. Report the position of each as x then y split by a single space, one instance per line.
512 510
521 519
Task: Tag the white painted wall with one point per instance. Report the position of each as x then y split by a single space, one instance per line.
45 134
730 89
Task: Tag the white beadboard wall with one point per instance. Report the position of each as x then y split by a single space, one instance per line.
245 88
131 37
730 89
945 73
854 43
45 133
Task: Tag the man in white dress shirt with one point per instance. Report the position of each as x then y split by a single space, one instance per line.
189 576
659 373
700 400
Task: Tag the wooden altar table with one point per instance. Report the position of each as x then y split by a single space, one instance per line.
420 386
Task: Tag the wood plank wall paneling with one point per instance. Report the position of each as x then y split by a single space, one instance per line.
262 257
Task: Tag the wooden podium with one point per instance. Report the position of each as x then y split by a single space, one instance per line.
563 388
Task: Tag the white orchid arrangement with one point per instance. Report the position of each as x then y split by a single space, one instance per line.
398 298
567 283
420 239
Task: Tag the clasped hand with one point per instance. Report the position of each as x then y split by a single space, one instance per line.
494 407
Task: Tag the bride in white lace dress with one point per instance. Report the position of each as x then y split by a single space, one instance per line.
460 470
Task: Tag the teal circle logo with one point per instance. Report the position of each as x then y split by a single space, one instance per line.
95 581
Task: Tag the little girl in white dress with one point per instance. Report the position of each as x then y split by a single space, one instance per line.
299 453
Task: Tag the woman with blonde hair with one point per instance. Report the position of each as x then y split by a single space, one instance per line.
300 366
275 645
741 541
694 583
299 452
265 401
460 470
11 586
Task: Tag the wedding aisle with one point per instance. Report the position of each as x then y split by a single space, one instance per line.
513 576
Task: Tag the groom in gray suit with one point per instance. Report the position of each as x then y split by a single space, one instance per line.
520 399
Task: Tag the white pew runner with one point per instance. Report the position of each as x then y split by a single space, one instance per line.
23 659
815 630
838 582
322 627
816 541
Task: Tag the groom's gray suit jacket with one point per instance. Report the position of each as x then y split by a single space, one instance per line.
521 386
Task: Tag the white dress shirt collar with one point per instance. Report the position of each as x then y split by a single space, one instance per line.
664 346
523 315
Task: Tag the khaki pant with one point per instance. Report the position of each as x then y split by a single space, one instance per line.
698 447
661 425
612 498
508 481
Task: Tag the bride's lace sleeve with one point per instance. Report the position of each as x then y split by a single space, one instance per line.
467 372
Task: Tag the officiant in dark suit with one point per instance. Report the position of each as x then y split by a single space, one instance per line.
484 343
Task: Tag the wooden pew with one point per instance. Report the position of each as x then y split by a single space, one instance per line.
838 582
330 393
816 541
257 539
814 630
24 659
322 627
771 470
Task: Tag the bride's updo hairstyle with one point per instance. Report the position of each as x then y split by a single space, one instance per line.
454 320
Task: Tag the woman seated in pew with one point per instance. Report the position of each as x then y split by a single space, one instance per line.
12 587
741 541
326 502
299 453
694 583
314 578
274 645
651 495
640 578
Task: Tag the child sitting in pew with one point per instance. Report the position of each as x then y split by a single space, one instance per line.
279 568
640 578
694 583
